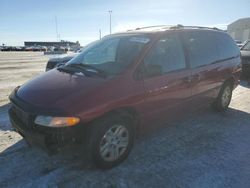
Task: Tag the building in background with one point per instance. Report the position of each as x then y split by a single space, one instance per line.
240 29
62 44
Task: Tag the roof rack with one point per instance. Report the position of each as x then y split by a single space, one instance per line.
154 26
178 26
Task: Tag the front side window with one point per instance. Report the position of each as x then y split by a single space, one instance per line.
165 56
111 54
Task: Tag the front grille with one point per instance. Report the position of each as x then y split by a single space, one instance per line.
24 117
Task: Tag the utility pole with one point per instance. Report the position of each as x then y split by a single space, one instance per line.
100 34
110 12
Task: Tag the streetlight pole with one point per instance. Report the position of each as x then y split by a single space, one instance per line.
57 34
110 12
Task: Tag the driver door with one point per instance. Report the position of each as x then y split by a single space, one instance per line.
166 80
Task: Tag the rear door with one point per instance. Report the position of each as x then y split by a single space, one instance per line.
166 79
203 57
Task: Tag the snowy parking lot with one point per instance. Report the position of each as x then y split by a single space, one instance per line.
205 149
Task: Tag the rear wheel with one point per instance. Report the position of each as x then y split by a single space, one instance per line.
111 141
224 98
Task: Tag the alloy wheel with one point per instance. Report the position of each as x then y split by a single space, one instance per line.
226 96
114 143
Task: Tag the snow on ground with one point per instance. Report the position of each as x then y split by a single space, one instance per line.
206 149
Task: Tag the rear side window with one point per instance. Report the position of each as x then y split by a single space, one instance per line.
165 56
227 47
201 46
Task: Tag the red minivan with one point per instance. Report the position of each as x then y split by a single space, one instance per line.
123 84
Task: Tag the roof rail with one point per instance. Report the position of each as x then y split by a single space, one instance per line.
154 26
178 26
193 27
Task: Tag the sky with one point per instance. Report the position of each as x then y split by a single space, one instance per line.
81 20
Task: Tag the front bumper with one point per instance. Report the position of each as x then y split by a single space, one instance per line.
49 139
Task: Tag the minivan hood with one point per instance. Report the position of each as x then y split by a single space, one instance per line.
50 89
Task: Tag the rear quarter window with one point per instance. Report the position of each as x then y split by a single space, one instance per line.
227 47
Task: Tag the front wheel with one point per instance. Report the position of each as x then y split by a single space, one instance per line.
111 141
224 98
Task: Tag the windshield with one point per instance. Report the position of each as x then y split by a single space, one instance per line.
111 54
246 47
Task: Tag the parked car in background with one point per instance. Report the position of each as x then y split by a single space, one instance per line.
12 48
124 84
58 61
245 56
239 43
55 62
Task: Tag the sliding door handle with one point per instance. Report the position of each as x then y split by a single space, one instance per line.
196 77
188 79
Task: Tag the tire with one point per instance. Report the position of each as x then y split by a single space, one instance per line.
111 140
224 98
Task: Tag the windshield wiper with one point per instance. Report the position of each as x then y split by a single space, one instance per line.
88 69
65 69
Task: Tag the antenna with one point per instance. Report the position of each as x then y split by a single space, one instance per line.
100 34
57 35
110 29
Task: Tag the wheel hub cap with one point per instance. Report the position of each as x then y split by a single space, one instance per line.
226 96
114 143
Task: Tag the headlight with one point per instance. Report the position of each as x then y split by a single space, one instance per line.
50 121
